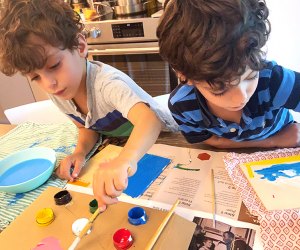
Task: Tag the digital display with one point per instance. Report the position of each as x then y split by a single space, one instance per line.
127 30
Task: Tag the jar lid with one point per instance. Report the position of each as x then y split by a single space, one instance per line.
137 216
79 225
44 216
62 197
122 239
93 205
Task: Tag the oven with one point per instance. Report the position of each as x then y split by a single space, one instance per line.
131 46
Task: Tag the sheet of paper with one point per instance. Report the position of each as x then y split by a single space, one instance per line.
149 168
188 178
274 179
278 228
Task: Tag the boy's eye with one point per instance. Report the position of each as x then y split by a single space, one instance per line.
55 65
35 78
218 94
253 76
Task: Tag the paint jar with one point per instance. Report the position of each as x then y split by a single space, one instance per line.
137 216
62 197
93 205
44 217
122 239
79 225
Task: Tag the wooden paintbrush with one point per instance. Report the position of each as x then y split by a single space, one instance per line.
161 227
213 200
85 229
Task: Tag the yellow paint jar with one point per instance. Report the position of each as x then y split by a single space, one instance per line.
44 217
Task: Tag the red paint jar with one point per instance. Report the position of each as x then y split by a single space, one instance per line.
122 239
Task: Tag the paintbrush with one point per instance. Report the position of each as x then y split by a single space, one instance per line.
85 229
213 200
161 227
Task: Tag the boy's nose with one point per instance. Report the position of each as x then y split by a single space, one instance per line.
240 95
51 83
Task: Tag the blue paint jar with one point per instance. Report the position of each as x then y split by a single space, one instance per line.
137 216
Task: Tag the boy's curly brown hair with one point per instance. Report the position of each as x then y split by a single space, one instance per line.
53 21
213 40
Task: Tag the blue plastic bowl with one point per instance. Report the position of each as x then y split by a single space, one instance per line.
26 170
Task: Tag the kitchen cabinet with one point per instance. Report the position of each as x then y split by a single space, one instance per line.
16 91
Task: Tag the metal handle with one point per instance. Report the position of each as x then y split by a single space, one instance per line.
124 51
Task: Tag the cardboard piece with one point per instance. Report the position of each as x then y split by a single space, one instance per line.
149 168
106 154
24 233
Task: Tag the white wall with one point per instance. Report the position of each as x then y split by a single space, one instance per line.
284 42
14 91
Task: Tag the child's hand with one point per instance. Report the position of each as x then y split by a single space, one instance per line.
287 137
111 178
75 161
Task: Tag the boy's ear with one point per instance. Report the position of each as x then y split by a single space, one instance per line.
82 45
182 78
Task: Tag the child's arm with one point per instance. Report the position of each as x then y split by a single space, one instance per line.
86 140
286 138
111 178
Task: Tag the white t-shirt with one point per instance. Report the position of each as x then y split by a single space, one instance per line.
110 95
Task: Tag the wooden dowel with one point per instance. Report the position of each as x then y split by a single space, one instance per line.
89 224
213 198
85 229
161 227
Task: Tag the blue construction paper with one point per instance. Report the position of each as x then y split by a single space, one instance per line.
149 168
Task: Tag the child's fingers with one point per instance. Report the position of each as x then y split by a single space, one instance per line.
63 170
77 168
100 192
120 183
110 189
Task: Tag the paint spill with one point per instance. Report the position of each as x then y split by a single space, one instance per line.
49 243
65 149
179 166
203 156
273 172
15 199
37 143
80 182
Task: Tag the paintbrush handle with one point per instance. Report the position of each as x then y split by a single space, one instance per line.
161 227
95 214
74 244
213 197
85 229
89 224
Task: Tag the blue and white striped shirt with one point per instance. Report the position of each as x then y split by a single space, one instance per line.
266 113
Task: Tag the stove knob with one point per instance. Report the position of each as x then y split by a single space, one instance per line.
95 33
85 32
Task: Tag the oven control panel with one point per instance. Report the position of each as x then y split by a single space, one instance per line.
121 31
127 30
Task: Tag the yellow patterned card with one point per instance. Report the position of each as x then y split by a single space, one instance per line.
276 181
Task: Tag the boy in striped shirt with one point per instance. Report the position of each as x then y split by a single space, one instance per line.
228 96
